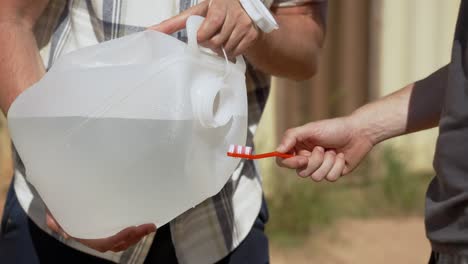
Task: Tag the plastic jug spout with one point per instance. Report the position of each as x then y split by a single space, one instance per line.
210 102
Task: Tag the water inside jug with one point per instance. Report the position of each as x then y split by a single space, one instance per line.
110 144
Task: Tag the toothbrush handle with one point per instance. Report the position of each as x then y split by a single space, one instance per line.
283 155
261 156
273 154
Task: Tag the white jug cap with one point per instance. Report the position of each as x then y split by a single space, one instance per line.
260 15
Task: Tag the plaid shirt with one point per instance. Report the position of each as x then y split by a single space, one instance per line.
445 258
211 230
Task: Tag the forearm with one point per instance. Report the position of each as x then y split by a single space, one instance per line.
416 107
292 51
20 65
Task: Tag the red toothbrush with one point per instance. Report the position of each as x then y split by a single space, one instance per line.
237 151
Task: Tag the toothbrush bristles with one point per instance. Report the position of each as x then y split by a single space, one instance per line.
248 150
238 149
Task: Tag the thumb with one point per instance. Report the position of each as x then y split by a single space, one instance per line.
51 223
178 22
54 226
296 135
289 140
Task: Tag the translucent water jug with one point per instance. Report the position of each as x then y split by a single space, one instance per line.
134 130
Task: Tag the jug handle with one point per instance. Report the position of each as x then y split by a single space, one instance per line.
193 24
206 91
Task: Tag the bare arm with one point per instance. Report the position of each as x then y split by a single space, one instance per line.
293 50
20 67
416 107
328 149
20 63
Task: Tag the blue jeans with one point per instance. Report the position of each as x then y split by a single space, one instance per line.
22 242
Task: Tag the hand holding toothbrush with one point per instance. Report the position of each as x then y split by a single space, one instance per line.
325 149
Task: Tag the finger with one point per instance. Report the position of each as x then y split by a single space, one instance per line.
337 169
52 224
213 22
178 22
322 171
213 47
293 163
121 246
245 43
105 244
288 141
217 42
55 226
298 161
138 233
131 232
150 228
315 161
119 240
129 241
242 29
305 152
236 37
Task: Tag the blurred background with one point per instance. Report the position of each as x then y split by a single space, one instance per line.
375 215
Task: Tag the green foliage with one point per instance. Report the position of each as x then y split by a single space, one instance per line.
403 191
295 211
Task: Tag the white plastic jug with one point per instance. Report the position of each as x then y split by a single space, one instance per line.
134 130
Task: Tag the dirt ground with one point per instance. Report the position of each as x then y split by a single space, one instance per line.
376 241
